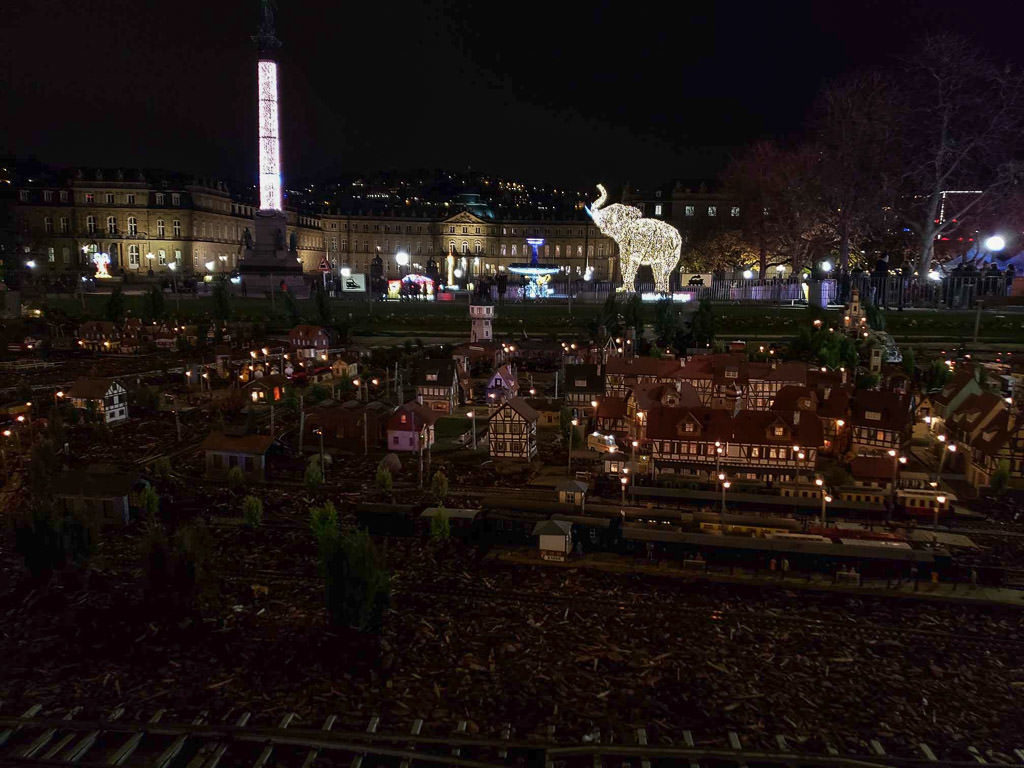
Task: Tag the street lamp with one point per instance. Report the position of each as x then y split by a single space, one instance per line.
718 456
472 415
725 487
323 468
346 272
995 243
939 501
402 259
946 447
572 429
634 445
624 481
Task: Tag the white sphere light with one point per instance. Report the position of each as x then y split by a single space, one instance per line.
995 243
458 272
826 266
402 258
747 274
346 271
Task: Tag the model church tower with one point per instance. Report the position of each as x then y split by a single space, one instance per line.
481 316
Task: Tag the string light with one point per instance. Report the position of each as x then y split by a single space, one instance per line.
641 241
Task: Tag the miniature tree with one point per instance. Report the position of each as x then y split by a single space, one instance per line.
357 586
1000 478
162 467
383 478
314 476
440 527
236 478
252 511
439 486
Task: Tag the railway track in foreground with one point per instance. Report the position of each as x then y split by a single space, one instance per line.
39 737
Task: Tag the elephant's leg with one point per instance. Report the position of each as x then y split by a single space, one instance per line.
662 273
629 263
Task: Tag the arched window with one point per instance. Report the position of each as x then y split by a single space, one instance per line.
465 247
133 226
451 246
111 225
477 248
176 227
159 227
513 249
133 256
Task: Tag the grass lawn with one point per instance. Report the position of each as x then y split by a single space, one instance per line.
549 318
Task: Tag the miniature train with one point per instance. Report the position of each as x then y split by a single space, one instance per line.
729 540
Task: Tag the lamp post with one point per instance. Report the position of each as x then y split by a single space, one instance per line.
572 429
718 456
634 445
624 481
402 260
825 498
725 485
323 468
947 447
939 501
173 266
472 415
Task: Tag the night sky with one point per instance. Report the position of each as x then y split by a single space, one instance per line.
552 91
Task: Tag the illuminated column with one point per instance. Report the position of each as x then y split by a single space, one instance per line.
270 147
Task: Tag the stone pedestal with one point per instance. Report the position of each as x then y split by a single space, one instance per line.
268 263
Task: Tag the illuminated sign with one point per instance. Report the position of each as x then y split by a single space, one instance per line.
353 283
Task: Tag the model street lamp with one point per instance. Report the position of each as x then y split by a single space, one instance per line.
572 429
947 447
624 482
323 468
472 415
939 501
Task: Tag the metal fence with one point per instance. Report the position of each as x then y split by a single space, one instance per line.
959 290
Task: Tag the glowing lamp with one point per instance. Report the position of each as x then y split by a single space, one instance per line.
402 258
747 274
933 275
995 243
726 484
210 265
459 273
826 266
575 422
952 448
940 499
840 423
346 272
828 499
31 264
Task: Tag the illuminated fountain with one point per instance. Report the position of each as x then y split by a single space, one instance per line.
538 276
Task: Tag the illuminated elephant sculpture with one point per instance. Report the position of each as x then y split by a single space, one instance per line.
641 241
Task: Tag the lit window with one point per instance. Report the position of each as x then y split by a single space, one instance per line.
48 225
779 431
90 197
451 229
690 210
159 227
657 209
133 226
175 198
734 211
712 210
177 255
51 255
161 256
90 224
159 198
64 224
48 196
111 225
133 256
176 227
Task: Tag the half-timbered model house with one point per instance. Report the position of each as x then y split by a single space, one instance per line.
879 422
612 417
643 398
106 399
755 445
437 385
512 431
583 385
623 373
99 336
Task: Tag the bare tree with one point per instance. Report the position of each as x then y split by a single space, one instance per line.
854 135
958 127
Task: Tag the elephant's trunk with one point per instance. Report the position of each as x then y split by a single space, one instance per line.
601 199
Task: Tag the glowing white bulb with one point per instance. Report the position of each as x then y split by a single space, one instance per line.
346 272
747 274
402 258
826 266
995 243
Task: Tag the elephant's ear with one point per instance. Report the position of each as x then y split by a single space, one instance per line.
631 212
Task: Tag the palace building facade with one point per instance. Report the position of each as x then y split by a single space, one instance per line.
147 221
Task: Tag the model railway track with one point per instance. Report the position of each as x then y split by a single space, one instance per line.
633 603
32 739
